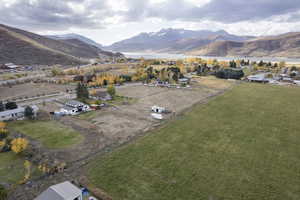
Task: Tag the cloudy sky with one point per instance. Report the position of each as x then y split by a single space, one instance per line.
108 21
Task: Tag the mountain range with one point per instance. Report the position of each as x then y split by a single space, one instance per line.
211 43
173 40
23 47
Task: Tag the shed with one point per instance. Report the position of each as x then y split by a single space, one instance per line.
62 191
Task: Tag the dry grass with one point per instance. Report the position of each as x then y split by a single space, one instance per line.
213 82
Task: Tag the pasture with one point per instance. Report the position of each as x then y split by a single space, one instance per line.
241 145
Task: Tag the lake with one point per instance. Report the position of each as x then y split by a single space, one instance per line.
182 56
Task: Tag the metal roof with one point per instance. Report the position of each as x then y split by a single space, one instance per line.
17 110
75 103
62 191
9 112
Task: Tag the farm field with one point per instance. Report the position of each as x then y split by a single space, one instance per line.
50 133
241 145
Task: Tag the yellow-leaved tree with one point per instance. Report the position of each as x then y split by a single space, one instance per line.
18 145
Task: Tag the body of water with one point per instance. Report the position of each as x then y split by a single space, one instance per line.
182 56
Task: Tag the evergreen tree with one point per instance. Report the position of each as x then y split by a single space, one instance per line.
29 113
82 91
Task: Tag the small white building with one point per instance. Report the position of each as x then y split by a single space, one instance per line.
157 116
16 114
11 66
62 191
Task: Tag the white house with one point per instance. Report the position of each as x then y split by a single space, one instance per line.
62 191
68 110
73 107
79 105
16 114
258 78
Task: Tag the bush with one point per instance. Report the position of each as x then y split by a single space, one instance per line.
111 90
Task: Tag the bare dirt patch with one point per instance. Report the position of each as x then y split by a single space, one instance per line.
31 89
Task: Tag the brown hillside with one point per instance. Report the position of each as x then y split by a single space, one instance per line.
286 45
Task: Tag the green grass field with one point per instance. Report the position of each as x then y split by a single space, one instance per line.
242 145
11 168
52 134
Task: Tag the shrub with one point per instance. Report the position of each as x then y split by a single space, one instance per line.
111 90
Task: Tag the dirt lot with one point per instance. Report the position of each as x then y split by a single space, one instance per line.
31 89
121 123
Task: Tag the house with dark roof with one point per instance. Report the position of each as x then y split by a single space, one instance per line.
102 95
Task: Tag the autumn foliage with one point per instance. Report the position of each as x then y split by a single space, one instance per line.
18 145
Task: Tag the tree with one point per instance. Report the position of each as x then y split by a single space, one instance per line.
27 166
82 91
11 105
111 90
230 74
282 64
57 71
2 107
18 145
3 193
29 112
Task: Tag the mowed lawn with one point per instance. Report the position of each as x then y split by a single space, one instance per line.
51 134
242 145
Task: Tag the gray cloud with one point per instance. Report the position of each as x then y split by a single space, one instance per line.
52 14
61 15
226 11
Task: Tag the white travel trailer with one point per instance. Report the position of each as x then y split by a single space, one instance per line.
157 116
158 109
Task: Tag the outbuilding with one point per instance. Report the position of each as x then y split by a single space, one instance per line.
62 191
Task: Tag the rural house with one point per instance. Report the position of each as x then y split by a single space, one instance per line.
16 114
73 107
62 191
260 78
102 95
79 105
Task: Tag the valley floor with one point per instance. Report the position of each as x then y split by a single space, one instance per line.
104 130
